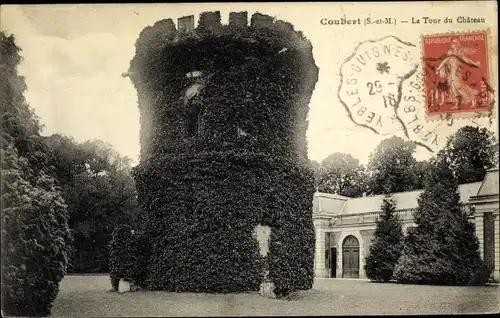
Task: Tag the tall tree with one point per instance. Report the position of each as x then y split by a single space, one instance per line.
315 166
443 248
341 174
391 168
100 192
471 151
387 243
35 233
420 170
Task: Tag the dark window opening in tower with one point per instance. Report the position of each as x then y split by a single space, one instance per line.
190 101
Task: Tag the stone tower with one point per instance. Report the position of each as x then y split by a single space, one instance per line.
223 111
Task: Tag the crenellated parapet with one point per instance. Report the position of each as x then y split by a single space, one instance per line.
243 85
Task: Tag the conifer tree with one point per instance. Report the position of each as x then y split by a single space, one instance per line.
387 243
35 234
443 248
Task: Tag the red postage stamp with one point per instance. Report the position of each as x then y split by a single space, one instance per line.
456 73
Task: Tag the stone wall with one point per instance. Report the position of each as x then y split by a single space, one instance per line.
489 239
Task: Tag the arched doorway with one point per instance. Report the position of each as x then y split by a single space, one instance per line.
350 257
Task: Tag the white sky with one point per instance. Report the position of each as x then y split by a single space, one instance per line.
74 56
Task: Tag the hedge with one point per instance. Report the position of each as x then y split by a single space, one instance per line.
225 151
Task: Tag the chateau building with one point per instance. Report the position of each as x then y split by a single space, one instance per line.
345 226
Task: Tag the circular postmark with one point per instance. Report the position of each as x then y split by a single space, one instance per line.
371 82
385 88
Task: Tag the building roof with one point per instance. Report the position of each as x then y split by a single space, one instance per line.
331 195
404 200
489 185
335 204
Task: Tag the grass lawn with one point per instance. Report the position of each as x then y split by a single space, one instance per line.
90 296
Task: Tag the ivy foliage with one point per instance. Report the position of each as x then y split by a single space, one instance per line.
129 254
257 78
223 112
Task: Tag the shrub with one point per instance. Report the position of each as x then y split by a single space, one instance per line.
481 274
129 256
387 244
224 152
34 238
443 249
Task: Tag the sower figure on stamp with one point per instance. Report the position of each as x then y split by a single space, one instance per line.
451 68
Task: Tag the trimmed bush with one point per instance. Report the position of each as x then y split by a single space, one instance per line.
223 113
387 244
129 256
35 235
443 249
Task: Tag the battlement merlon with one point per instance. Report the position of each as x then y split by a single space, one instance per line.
164 34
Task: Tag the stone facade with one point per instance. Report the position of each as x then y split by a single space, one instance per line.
337 218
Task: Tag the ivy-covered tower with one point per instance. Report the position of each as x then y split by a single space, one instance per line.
223 111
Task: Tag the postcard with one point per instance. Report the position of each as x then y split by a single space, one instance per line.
259 159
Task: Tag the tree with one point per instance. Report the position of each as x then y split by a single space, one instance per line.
100 192
391 167
471 151
35 233
341 174
315 166
420 170
387 243
443 248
